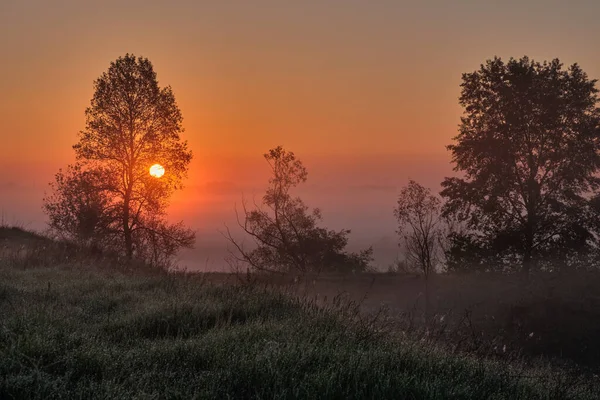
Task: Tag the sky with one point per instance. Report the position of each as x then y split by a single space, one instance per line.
365 93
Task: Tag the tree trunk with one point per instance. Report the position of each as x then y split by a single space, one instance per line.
527 261
528 248
127 228
427 300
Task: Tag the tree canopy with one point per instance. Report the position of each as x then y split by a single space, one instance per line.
131 124
528 153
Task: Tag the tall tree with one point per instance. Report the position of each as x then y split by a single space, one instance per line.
285 232
528 151
131 124
419 226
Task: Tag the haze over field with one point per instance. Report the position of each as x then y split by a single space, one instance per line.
366 102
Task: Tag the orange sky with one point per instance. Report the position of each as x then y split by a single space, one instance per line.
365 93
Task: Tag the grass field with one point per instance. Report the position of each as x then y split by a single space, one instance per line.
546 314
81 329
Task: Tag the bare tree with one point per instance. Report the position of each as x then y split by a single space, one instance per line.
419 226
285 232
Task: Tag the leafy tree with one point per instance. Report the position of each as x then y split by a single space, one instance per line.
419 226
78 208
131 124
528 151
285 231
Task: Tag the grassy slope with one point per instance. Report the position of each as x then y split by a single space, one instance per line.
555 315
77 332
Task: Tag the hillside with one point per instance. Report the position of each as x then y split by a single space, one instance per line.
77 329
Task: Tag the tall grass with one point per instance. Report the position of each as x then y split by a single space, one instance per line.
67 331
546 314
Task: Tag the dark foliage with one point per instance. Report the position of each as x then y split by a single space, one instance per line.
285 231
529 152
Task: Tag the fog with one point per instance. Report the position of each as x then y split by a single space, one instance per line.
353 192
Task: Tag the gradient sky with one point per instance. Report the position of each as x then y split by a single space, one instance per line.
364 92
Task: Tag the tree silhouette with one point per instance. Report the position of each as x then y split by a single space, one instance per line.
78 208
131 124
419 226
529 152
285 231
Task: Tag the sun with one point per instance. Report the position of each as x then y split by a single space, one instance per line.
157 170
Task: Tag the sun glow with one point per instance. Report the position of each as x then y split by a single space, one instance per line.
157 170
